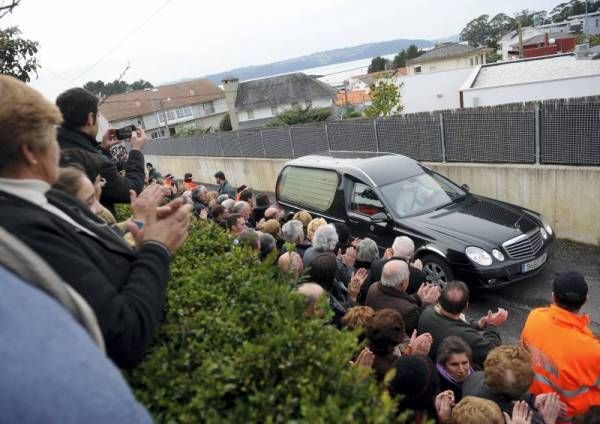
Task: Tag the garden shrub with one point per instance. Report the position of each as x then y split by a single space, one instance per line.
236 347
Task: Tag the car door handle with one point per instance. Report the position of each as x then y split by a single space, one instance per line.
353 221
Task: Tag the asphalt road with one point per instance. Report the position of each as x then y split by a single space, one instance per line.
525 295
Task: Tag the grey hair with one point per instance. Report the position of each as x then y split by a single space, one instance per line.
201 189
325 238
403 247
367 250
267 242
238 207
228 204
292 231
391 277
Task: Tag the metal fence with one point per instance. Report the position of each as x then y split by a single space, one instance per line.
552 132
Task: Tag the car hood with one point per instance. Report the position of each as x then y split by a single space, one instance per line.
479 221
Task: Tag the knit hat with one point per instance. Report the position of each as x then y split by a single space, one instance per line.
570 286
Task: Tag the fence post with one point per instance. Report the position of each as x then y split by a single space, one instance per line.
221 145
376 137
536 120
262 141
291 143
443 137
327 138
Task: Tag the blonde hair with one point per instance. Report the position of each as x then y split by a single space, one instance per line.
358 317
304 217
474 410
508 371
313 226
26 118
271 226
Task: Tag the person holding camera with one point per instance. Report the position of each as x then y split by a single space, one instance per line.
78 130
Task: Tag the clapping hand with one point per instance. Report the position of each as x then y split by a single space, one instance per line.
348 258
521 414
364 359
388 254
204 214
549 407
417 264
444 402
420 345
493 318
356 282
429 293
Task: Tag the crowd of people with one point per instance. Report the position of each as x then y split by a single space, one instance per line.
83 294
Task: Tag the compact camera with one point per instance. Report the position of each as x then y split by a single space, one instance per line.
125 132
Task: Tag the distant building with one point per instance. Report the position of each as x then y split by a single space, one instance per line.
192 104
542 78
357 99
544 44
447 56
254 103
575 24
508 40
364 82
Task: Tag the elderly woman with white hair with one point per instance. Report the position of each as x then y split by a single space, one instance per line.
325 240
293 232
366 253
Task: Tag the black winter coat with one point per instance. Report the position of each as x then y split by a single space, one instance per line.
126 290
116 189
417 277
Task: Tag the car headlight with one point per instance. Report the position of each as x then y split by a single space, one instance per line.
546 226
478 255
543 233
498 255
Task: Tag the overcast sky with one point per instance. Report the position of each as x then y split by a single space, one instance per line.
163 41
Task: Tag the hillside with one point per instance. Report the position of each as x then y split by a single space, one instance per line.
329 57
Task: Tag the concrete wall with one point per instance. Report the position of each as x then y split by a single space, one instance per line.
543 90
566 196
266 112
447 65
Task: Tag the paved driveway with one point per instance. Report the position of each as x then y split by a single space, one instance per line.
523 296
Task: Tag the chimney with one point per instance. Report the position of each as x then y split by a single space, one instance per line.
230 86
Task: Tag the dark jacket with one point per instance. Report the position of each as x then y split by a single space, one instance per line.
116 189
226 188
125 289
409 305
475 385
441 326
344 273
417 277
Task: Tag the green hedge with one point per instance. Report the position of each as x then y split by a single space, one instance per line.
235 347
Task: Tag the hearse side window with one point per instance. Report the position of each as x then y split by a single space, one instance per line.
309 187
365 201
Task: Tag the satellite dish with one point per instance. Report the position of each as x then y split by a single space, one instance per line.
552 41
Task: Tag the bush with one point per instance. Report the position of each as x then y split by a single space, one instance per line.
235 347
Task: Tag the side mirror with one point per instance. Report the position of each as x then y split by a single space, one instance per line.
466 187
380 217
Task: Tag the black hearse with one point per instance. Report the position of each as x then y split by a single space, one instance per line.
457 234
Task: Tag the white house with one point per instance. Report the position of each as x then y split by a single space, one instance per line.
540 78
446 57
192 104
506 43
254 103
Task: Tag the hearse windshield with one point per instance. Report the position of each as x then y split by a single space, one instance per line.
420 193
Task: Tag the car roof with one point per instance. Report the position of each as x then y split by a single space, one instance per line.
377 169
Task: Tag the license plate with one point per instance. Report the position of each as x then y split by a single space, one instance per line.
536 263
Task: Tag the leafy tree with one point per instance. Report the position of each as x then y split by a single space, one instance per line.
115 87
17 55
573 7
377 64
140 85
350 113
386 101
190 132
528 17
413 51
225 124
500 25
300 115
477 32
400 60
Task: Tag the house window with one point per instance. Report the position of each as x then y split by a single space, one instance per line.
417 69
274 111
597 23
477 60
250 114
157 134
471 61
208 108
183 112
365 201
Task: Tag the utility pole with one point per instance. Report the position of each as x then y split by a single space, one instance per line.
585 21
162 108
520 40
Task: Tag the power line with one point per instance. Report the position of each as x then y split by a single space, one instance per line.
122 41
